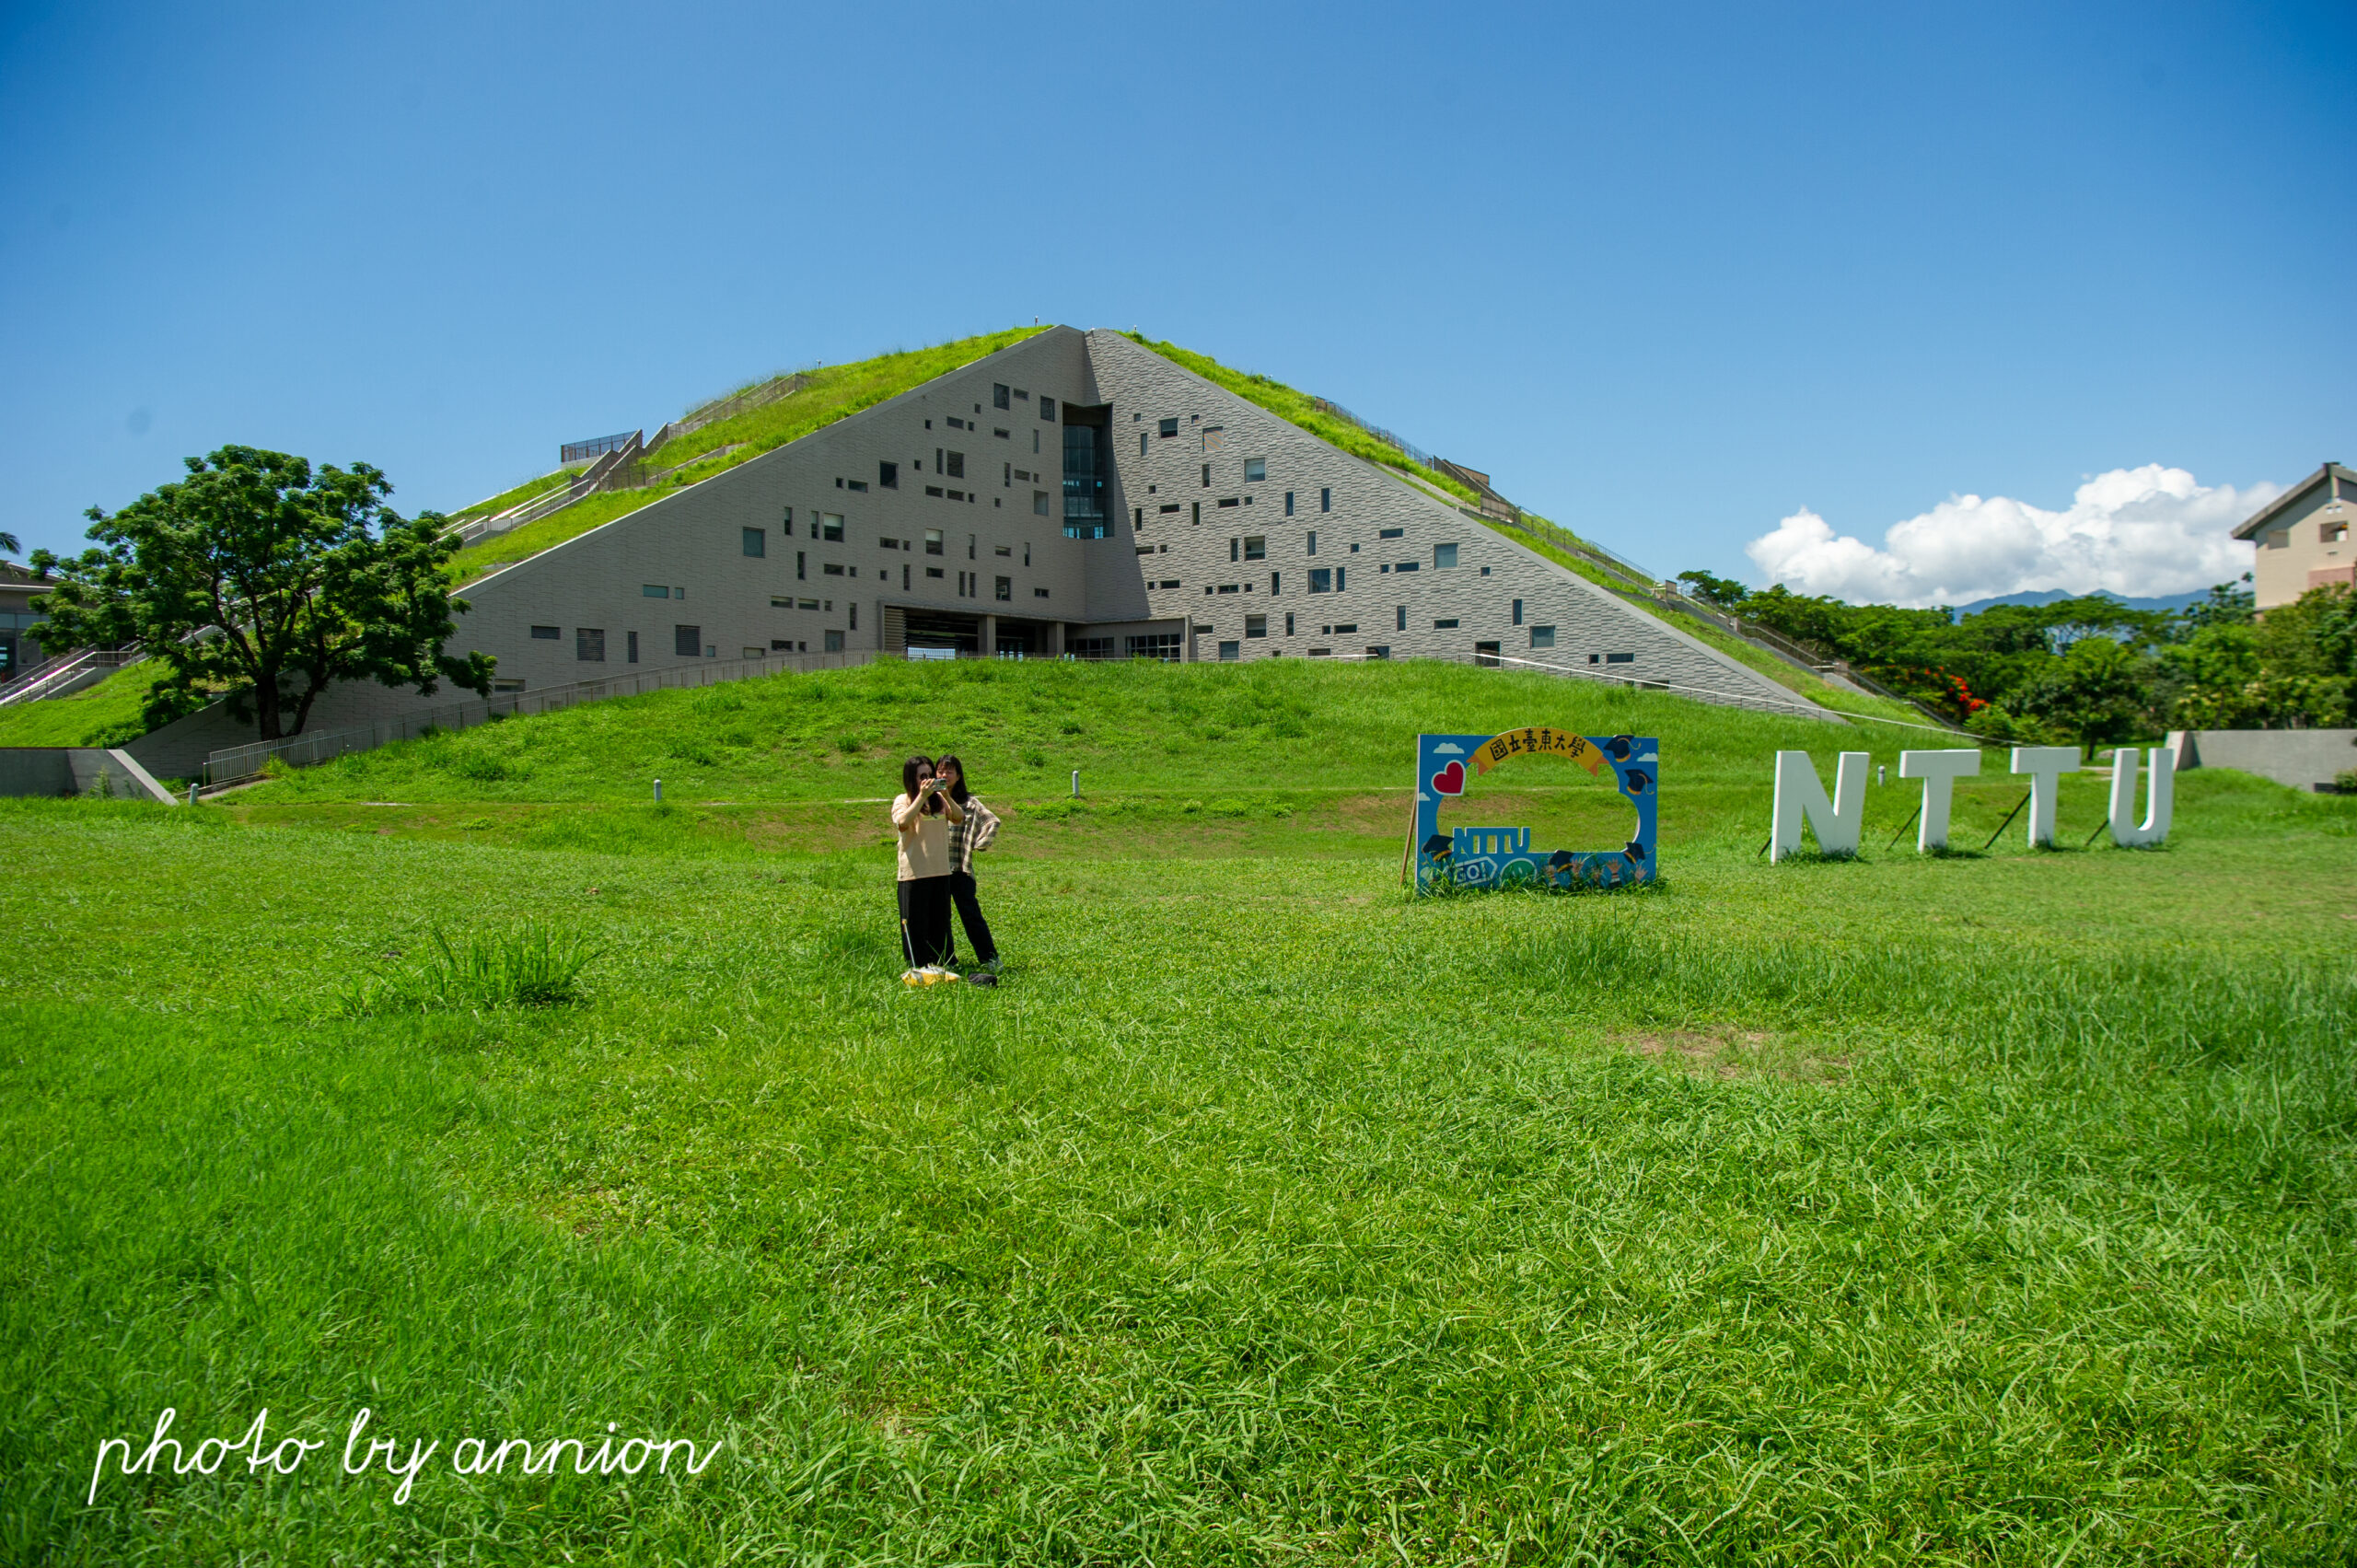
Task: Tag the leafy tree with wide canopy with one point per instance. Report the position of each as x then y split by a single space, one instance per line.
262 579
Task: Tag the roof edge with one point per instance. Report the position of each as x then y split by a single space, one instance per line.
2251 527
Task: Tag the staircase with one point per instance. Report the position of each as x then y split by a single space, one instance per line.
67 673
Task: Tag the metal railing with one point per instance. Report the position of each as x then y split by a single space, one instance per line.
581 451
751 398
235 762
52 676
1390 438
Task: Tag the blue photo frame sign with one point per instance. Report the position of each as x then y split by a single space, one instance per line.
1498 857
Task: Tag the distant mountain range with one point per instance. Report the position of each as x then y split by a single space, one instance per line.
2170 601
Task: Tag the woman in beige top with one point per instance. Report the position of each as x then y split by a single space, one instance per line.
922 814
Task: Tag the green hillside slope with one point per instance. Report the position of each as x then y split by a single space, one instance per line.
1284 724
104 714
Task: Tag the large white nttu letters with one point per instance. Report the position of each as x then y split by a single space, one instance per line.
1800 795
2044 765
1939 771
2160 797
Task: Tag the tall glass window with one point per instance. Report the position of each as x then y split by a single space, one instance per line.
1085 467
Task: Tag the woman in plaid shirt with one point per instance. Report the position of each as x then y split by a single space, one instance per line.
966 838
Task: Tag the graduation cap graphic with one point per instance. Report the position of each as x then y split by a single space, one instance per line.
1439 846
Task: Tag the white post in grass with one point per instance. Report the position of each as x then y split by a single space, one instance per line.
2044 765
1075 784
191 793
1939 771
658 792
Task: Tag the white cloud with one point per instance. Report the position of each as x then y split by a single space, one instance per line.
2135 532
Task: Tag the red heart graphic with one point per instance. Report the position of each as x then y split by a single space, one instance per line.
1450 780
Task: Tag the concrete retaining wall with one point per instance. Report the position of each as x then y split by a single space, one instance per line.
76 769
2303 759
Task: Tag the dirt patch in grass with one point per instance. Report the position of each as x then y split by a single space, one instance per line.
1728 1053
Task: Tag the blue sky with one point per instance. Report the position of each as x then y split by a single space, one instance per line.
1676 276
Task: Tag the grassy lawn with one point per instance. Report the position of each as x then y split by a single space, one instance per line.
1980 1210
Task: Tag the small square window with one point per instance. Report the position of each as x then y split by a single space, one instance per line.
888 476
998 395
1256 548
1214 436
757 542
933 541
1321 580
1230 652
687 640
1256 625
1005 590
1169 427
589 643
830 525
1038 593
1039 502
1542 636
1048 409
1443 556
1256 468
957 465
547 634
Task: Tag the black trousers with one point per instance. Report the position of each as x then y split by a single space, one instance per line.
969 911
924 921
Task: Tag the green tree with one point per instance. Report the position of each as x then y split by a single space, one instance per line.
2099 690
264 580
1724 592
8 545
2229 603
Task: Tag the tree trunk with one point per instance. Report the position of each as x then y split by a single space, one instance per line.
266 705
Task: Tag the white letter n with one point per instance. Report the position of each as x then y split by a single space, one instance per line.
1801 796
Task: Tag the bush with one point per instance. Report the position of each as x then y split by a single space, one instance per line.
533 966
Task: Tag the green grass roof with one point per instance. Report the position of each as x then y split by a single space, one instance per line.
827 395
